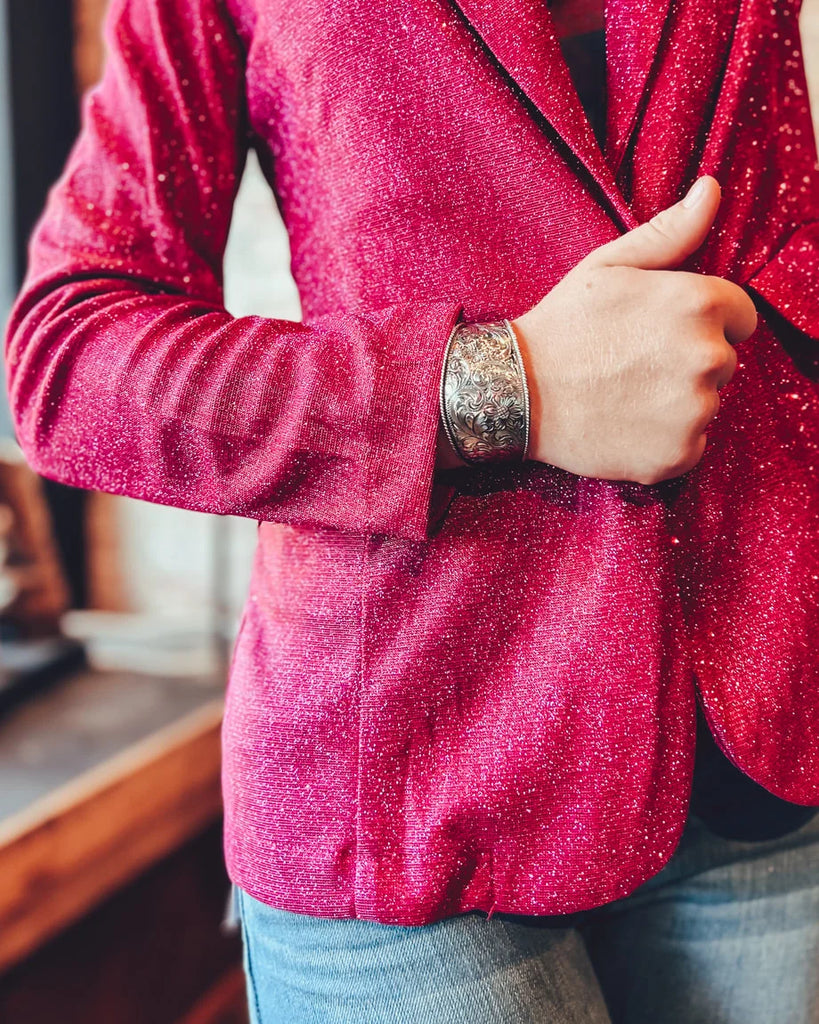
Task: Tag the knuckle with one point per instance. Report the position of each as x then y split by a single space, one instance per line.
753 312
681 465
741 296
659 225
683 459
744 308
716 356
654 473
708 407
731 362
626 282
705 297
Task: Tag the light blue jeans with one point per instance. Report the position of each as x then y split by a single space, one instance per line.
726 933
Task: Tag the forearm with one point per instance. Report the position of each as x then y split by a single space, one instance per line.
175 401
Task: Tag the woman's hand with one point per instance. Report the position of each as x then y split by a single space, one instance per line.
624 357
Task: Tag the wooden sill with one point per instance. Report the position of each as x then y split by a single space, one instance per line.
73 847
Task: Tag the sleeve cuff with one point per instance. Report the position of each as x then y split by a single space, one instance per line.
405 497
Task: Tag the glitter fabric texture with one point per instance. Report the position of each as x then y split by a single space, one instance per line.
475 689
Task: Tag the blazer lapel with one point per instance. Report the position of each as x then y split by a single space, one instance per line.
520 35
633 35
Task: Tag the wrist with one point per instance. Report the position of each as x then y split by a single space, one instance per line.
535 403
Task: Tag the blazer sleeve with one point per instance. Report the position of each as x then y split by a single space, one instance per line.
126 374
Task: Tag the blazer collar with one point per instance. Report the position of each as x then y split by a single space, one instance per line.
521 36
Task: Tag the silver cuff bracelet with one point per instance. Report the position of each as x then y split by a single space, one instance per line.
484 393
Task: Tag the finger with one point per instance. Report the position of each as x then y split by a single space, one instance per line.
735 311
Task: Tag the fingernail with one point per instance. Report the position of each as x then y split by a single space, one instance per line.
695 193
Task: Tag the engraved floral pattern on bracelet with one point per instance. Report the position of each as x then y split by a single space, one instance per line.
484 393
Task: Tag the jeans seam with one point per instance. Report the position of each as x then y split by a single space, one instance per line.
246 940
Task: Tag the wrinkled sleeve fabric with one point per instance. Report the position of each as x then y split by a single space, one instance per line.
126 374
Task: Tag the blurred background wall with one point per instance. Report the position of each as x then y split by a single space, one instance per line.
8 256
185 574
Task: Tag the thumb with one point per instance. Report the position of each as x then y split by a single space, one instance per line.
670 235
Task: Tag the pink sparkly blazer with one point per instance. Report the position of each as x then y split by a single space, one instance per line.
473 689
